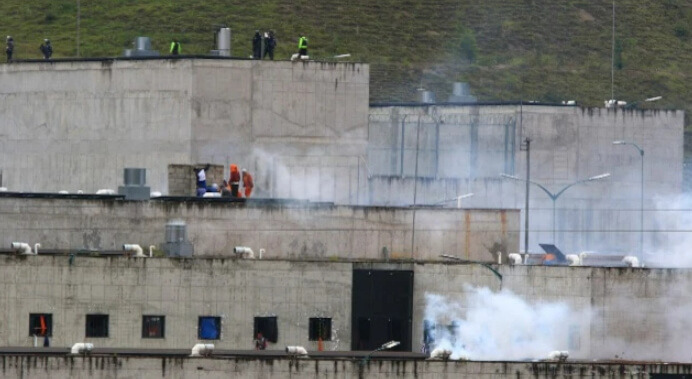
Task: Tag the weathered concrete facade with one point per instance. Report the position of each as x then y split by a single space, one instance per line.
620 300
286 230
462 149
76 124
305 130
110 366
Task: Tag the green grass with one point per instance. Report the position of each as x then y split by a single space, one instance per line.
508 50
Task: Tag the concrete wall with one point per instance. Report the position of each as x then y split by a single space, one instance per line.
620 300
180 290
294 230
76 124
57 367
463 149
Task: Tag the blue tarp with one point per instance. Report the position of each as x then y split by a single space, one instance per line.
208 328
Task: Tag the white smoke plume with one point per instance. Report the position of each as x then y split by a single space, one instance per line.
502 326
670 247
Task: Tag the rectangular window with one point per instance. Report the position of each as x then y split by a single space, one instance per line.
97 326
268 327
41 324
209 328
320 328
153 326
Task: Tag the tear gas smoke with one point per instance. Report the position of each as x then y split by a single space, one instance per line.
502 326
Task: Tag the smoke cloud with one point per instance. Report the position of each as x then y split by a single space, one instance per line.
671 247
502 326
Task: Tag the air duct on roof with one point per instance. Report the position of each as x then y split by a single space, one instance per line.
461 93
134 188
427 97
223 42
142 48
176 244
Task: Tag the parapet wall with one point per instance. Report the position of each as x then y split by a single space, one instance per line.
110 366
286 230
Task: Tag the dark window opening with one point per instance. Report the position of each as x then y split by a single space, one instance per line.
209 328
97 326
153 326
268 327
41 324
320 328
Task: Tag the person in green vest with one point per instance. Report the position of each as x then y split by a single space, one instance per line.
175 47
303 46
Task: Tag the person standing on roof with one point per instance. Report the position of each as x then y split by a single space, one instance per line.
175 47
201 174
46 49
248 184
269 45
10 48
234 180
303 46
257 45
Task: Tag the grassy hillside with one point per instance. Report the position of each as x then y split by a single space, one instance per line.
508 50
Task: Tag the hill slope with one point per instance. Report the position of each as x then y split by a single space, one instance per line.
508 50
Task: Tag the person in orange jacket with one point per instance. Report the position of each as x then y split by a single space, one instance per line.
247 183
234 180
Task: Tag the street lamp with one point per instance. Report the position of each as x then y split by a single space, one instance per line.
457 199
556 195
641 203
385 346
486 265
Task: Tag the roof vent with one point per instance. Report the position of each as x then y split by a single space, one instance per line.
461 93
223 42
176 244
142 48
134 188
427 97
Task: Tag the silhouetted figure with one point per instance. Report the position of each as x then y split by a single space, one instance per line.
269 45
46 49
257 45
10 48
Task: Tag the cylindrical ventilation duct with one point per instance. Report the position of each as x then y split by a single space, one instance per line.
427 97
135 176
142 43
223 42
176 231
461 89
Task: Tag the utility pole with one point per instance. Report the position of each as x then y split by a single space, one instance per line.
78 17
415 193
526 146
612 58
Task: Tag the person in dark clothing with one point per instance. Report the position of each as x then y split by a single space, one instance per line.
46 49
260 342
10 48
269 45
257 45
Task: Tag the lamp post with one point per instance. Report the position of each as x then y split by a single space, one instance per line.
385 346
457 199
556 195
641 200
486 265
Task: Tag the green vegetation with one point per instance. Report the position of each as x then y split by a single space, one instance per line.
508 50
